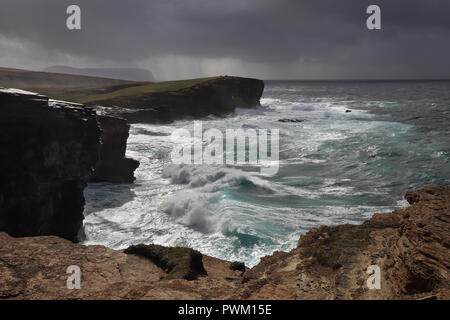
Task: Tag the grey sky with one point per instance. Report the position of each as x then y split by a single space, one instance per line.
269 39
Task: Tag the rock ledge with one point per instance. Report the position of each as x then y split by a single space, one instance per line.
411 248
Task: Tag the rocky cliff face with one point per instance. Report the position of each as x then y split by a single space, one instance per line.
411 248
113 166
217 97
47 153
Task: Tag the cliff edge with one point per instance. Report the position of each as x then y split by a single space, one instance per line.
169 101
144 102
410 247
48 150
48 153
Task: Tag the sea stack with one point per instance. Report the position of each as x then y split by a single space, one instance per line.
113 165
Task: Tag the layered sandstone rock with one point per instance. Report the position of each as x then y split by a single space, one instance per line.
113 165
47 154
35 268
411 248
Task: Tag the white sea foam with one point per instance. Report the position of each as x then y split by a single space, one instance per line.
18 91
192 208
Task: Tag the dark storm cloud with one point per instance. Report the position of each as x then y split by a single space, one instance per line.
414 37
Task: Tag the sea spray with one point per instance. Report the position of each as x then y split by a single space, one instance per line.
262 147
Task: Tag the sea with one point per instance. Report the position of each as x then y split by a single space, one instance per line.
347 150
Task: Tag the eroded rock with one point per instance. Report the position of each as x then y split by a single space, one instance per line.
410 246
238 266
292 120
48 152
113 165
178 263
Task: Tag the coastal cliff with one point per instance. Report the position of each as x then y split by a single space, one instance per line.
166 102
150 102
410 246
52 149
48 153
113 166
48 150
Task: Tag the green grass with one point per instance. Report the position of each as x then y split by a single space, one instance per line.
61 86
13 78
79 93
85 89
135 91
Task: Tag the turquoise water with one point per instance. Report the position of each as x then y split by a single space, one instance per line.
335 167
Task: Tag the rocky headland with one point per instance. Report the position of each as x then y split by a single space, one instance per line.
49 150
137 101
410 246
166 102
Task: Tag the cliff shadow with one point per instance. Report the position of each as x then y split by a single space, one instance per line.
100 196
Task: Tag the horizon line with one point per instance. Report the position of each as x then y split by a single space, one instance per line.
329 80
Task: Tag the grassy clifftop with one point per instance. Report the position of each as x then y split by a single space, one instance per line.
24 78
61 86
148 101
194 99
148 88
87 89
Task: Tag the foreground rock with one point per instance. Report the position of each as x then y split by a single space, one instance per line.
178 263
48 151
35 268
411 248
218 96
113 166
